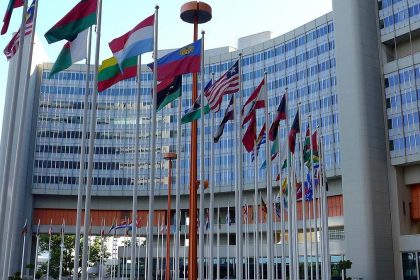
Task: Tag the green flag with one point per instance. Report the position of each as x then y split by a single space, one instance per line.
194 113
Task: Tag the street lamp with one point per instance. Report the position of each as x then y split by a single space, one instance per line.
169 157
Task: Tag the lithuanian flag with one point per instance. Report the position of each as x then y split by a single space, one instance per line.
82 16
110 72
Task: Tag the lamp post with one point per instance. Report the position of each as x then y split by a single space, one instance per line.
169 157
194 12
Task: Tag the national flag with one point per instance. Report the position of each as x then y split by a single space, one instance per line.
249 136
25 228
308 187
81 17
137 41
207 220
293 131
72 52
182 61
277 209
254 102
228 220
123 224
261 139
315 152
37 228
12 47
229 115
168 91
284 186
194 113
281 115
228 83
245 210
8 15
274 152
110 73
298 190
307 148
263 206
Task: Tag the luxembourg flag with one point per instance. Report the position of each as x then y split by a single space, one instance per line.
135 42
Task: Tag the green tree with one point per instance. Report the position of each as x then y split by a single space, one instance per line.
95 253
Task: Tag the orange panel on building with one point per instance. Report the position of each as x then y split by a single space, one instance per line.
415 202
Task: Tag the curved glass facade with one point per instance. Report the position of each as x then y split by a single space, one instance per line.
304 64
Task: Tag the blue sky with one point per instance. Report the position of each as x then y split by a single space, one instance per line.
232 19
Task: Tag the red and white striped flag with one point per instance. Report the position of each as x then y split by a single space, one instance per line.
13 46
226 84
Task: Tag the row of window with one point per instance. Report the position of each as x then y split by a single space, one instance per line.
402 77
386 3
75 164
63 149
406 142
99 135
400 16
405 98
75 180
409 119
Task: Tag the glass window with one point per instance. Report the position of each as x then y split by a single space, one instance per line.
409 266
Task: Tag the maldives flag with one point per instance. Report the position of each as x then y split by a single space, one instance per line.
249 137
293 131
182 61
7 16
281 115
71 53
82 16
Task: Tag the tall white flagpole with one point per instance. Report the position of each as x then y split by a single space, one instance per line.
178 189
161 250
261 245
157 248
82 160
49 250
289 199
91 142
228 243
36 249
60 273
218 244
152 151
256 245
136 173
201 210
9 142
184 266
146 260
211 206
325 218
238 179
276 265
23 248
302 180
269 190
314 191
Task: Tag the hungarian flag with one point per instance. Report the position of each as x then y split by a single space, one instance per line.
168 91
229 115
110 72
194 113
71 53
281 115
8 15
293 131
254 102
249 136
182 61
81 17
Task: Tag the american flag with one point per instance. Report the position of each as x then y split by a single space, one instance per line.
13 45
226 84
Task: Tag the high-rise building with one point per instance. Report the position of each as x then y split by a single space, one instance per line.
354 73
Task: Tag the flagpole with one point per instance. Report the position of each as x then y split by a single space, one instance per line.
325 217
36 249
302 178
146 260
238 177
23 249
161 250
136 173
314 191
261 245
276 265
82 161
178 188
9 143
157 247
60 273
49 250
212 186
257 256
91 142
283 230
218 243
201 186
185 250
153 151
228 243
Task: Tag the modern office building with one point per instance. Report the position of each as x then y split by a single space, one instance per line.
354 72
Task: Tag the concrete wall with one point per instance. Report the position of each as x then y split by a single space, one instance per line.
362 135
